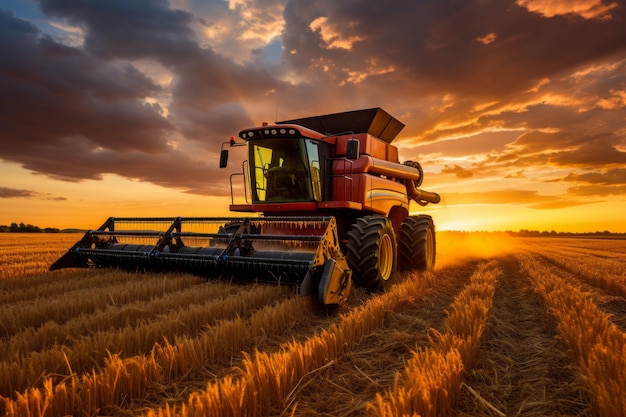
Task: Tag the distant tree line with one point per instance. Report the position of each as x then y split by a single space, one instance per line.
27 228
537 233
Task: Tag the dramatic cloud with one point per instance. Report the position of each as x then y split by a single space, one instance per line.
517 94
587 9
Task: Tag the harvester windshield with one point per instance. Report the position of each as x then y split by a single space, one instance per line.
285 170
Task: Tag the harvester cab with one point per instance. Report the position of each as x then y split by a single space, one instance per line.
329 204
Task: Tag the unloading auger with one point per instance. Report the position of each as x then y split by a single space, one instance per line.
334 209
300 251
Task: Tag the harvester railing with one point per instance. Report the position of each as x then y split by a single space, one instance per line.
245 174
346 175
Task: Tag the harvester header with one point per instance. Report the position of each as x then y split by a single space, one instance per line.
330 206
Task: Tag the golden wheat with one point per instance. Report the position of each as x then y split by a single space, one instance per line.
201 332
23 254
432 378
602 248
266 380
18 316
129 340
598 345
121 378
608 273
429 387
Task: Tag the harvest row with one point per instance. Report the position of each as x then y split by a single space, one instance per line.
602 269
431 382
49 348
599 347
123 381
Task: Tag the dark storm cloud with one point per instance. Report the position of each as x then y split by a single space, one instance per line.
204 80
436 44
129 29
52 91
75 113
74 160
208 94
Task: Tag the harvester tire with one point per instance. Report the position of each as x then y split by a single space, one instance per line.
416 249
371 252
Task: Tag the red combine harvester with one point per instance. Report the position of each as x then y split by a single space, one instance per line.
334 205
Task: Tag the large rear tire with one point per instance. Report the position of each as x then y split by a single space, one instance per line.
417 246
371 252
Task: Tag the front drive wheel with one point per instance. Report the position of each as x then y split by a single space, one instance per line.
372 252
416 249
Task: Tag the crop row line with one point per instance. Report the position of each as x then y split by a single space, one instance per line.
596 247
25 370
266 380
432 378
48 285
112 317
121 381
607 274
17 317
598 345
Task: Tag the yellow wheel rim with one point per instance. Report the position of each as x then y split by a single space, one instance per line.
430 249
385 257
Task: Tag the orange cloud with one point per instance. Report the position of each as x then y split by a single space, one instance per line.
487 39
587 9
457 170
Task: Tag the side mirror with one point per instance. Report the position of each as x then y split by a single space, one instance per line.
223 158
352 149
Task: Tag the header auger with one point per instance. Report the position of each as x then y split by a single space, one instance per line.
333 201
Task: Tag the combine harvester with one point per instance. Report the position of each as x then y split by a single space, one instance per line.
334 205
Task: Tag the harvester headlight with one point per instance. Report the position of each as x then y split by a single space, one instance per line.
273 131
266 131
283 131
292 131
250 134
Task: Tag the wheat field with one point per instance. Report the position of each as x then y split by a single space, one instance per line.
504 326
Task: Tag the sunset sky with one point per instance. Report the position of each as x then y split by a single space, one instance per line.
515 108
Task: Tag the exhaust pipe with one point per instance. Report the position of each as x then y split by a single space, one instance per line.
422 197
